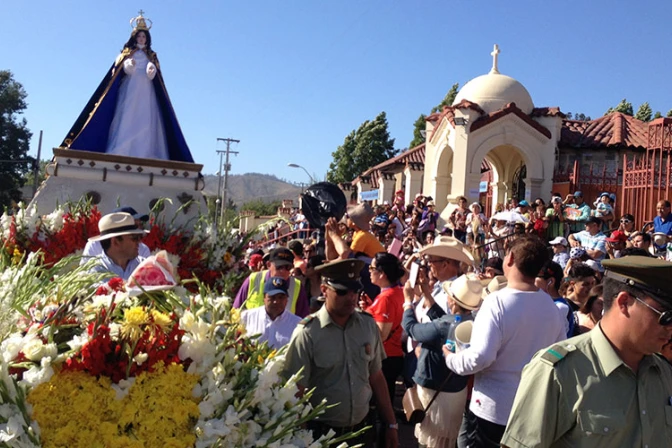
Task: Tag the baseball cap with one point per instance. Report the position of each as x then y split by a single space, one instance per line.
617 237
578 194
523 203
281 257
558 240
276 285
594 220
594 265
603 194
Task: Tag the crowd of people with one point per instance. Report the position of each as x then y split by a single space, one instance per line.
506 331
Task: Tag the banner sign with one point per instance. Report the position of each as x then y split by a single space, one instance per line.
371 195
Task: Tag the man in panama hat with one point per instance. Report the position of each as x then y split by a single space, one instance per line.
93 248
607 387
119 239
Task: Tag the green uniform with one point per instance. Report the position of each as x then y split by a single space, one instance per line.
337 362
579 393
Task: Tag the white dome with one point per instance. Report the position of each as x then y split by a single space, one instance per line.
494 91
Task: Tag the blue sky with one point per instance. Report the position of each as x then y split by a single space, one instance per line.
291 79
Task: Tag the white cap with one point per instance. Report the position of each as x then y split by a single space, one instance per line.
594 265
559 240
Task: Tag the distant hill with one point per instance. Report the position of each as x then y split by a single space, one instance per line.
246 187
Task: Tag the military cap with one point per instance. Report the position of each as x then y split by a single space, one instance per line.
282 257
342 274
647 274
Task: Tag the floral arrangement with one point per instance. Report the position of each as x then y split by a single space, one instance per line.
196 252
86 364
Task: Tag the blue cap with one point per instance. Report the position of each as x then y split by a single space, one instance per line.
612 196
603 194
131 211
578 194
276 285
523 203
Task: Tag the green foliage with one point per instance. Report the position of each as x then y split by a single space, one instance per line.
41 174
448 99
644 112
669 114
261 208
658 115
623 107
580 116
362 149
14 139
418 126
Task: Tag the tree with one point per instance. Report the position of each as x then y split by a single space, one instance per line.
623 107
14 139
368 146
448 99
418 129
29 178
644 112
578 116
261 208
658 115
669 114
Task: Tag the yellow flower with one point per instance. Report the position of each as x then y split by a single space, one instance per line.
134 318
235 315
16 256
161 319
227 257
77 410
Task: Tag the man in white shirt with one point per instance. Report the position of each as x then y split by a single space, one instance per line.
119 238
272 321
510 327
94 248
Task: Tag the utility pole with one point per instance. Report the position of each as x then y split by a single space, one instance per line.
227 168
36 168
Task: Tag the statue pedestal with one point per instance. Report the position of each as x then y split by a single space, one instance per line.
110 181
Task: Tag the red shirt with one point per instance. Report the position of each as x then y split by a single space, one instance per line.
388 308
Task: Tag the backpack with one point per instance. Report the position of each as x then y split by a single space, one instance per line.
570 317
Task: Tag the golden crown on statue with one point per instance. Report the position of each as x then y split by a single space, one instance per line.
140 23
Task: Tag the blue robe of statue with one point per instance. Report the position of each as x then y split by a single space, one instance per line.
130 114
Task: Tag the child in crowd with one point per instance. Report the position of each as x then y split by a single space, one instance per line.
604 210
560 254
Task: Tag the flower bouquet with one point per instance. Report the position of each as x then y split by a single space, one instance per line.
85 364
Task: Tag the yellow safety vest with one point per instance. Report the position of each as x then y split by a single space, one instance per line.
255 291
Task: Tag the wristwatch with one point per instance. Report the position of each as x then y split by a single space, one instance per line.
393 426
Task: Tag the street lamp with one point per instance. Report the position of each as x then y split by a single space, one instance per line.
294 165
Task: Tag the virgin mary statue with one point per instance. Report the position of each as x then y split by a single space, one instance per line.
130 113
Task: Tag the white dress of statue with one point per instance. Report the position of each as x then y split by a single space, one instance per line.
137 128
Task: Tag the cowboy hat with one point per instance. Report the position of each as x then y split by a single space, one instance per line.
117 224
449 247
494 284
465 290
361 215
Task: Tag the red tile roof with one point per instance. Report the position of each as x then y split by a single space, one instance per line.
510 108
615 130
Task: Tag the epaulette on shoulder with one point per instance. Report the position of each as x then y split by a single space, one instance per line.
556 352
307 319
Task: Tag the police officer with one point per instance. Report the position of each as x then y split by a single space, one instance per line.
341 353
608 387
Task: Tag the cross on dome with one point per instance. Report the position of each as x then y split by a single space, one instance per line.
494 54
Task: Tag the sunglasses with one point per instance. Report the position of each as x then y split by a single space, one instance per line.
344 292
625 221
284 267
664 317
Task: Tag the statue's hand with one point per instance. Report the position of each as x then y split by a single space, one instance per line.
151 70
129 66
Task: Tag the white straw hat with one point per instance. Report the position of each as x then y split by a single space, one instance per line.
117 224
465 290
